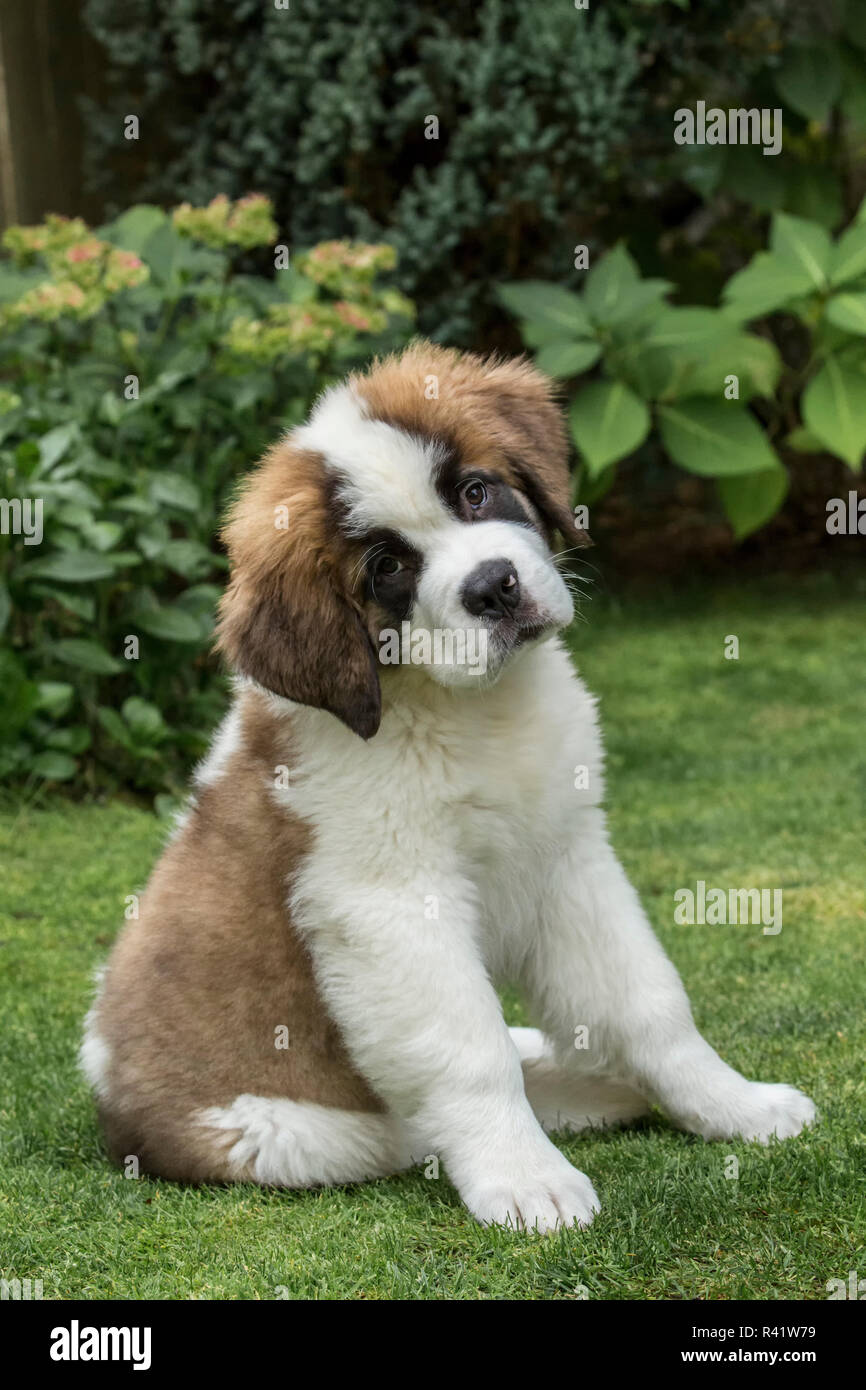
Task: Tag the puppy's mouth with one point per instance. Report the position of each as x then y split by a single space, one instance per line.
517 630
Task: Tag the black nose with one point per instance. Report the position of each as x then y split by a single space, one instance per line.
492 590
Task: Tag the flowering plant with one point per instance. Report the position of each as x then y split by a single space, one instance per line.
143 366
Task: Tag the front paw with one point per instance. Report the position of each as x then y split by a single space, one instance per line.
755 1110
542 1192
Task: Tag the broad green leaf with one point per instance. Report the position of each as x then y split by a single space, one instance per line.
714 438
55 697
848 311
104 536
546 303
115 727
834 409
803 441
689 328
74 739
174 490
638 303
814 192
87 655
754 361
186 557
809 79
70 567
616 296
144 719
163 251
615 293
849 256
765 284
169 624
134 228
537 333
54 444
567 359
18 696
751 499
53 766
75 600
607 279
607 421
803 244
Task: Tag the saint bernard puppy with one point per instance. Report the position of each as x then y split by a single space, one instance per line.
388 824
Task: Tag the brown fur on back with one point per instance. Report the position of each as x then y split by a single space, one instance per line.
199 984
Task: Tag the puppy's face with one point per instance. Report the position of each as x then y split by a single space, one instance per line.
413 523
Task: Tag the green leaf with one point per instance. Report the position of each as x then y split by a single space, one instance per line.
70 567
607 421
174 490
834 409
134 228
115 727
754 361
567 359
74 739
809 79
18 696
803 441
549 304
714 438
814 192
690 328
765 284
87 655
803 245
848 261
188 558
169 624
5 606
163 252
615 292
54 444
74 600
848 311
144 720
54 767
55 697
751 499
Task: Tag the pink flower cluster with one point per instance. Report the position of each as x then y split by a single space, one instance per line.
246 223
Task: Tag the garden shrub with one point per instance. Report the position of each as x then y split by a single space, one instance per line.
555 127
694 385
142 367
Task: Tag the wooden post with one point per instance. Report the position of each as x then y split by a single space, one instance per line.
47 62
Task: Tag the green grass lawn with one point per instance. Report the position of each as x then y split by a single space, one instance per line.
742 773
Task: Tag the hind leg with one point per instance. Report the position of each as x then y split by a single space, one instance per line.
286 1143
564 1099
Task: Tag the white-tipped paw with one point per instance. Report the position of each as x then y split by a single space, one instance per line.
542 1196
757 1110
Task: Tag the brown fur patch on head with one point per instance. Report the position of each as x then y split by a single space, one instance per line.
494 414
288 618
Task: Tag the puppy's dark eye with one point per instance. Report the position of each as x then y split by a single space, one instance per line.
475 493
389 564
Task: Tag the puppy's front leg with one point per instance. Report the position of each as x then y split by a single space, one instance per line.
598 966
424 1026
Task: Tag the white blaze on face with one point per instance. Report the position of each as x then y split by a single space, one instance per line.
387 482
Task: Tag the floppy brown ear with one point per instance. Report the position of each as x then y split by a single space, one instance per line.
286 618
537 447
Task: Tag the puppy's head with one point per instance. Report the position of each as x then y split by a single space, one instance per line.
413 519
